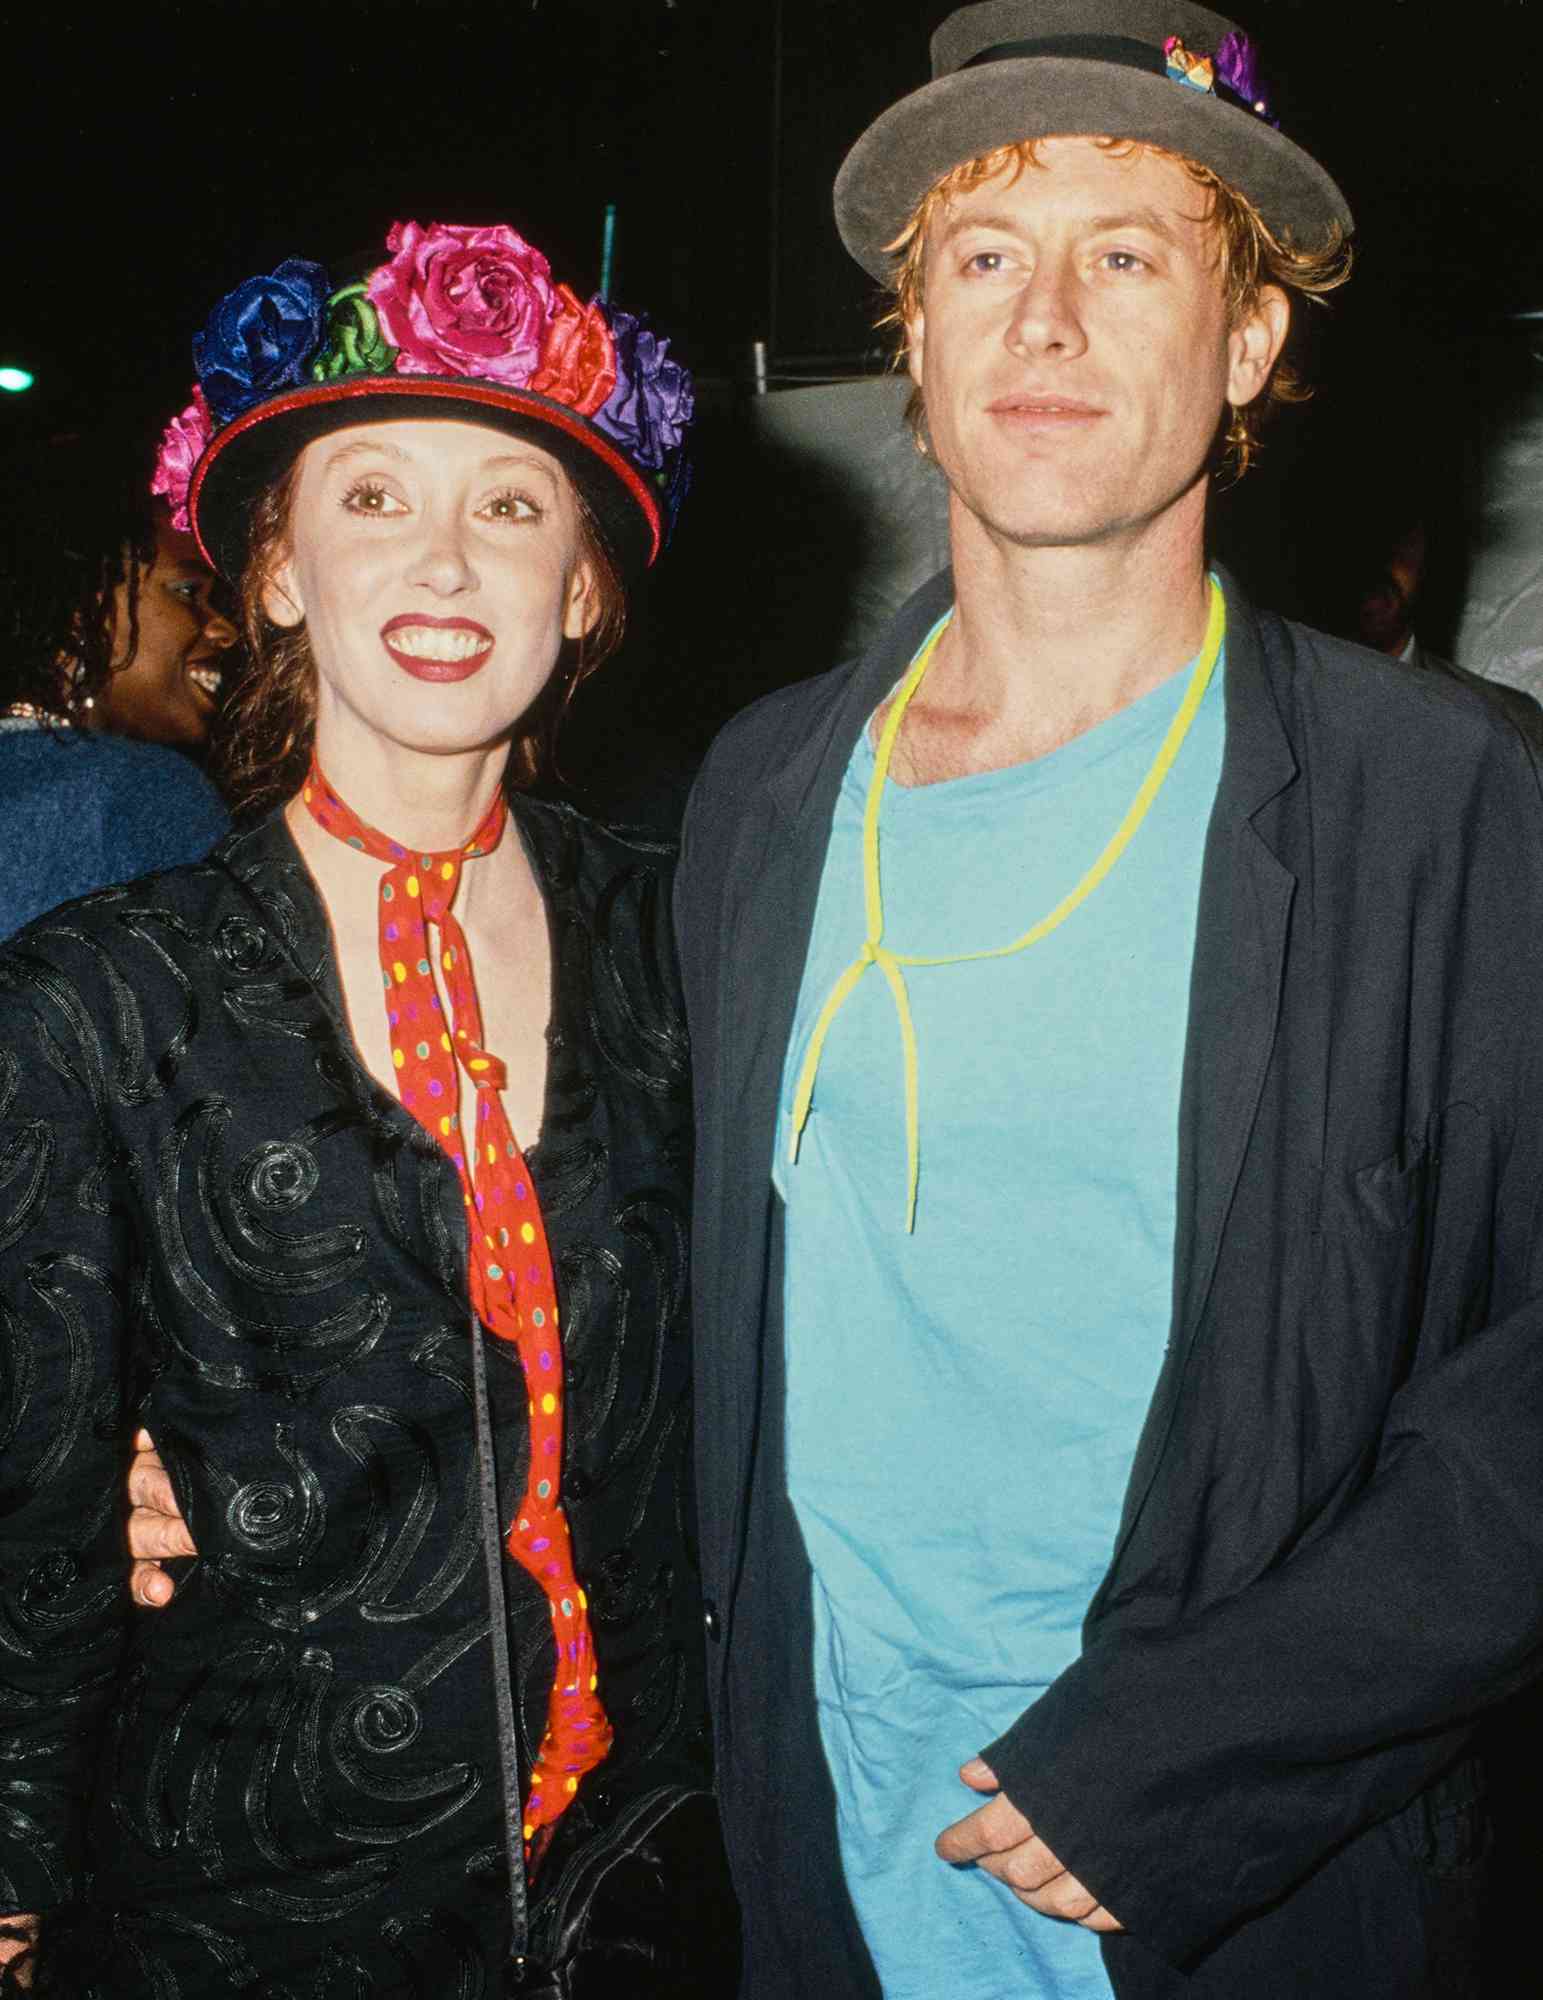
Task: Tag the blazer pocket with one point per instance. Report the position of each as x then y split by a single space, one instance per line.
1389 1194
1370 1286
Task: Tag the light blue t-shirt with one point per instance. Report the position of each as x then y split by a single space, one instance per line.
964 1403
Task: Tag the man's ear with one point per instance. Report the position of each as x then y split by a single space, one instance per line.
281 596
581 610
1254 345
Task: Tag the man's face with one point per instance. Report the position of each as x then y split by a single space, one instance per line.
1073 346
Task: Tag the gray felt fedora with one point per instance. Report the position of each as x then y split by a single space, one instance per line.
1164 71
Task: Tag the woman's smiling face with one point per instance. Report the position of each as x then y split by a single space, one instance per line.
438 568
165 687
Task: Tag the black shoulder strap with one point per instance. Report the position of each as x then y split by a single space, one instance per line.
498 1645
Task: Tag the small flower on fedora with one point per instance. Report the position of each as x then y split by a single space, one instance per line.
1232 73
1198 71
1237 70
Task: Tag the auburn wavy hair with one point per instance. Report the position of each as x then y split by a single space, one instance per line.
1250 256
262 747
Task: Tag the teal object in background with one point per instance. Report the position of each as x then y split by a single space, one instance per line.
607 249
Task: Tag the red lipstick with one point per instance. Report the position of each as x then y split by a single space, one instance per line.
437 649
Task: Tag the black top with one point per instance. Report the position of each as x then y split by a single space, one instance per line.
212 1217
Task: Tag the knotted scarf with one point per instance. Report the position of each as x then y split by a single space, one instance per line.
509 1267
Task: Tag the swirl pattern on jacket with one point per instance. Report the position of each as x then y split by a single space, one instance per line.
214 1221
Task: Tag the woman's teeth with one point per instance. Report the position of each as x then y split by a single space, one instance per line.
430 642
207 678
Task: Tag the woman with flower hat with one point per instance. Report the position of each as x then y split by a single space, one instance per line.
353 1162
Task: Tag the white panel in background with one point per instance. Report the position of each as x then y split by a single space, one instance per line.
1501 633
856 432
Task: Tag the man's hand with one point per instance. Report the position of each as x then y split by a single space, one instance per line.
156 1528
998 1838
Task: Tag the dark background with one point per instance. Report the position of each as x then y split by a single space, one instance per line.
151 163
154 161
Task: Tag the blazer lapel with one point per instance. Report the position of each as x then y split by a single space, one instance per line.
1246 895
791 837
781 840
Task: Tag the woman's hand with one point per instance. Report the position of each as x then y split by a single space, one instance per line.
157 1530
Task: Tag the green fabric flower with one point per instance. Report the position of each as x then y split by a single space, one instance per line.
355 344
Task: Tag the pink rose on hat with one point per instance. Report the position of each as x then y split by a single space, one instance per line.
464 301
182 446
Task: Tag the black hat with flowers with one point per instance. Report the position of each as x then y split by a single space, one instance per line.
463 322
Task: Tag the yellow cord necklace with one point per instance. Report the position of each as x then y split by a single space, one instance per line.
890 963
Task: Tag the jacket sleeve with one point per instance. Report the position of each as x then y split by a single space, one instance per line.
1193 1775
63 1562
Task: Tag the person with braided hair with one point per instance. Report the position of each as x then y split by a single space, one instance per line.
111 660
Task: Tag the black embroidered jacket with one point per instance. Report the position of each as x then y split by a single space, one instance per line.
214 1221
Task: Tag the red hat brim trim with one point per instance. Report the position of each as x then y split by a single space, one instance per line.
486 395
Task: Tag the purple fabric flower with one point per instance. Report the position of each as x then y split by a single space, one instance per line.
1237 66
261 336
648 410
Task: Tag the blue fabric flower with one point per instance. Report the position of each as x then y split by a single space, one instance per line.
261 336
648 410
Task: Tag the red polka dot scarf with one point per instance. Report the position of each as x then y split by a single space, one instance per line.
510 1266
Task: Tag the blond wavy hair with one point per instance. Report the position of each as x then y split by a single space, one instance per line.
1250 256
262 747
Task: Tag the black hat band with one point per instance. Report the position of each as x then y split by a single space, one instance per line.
1122 50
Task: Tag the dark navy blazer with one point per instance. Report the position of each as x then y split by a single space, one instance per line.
1331 1554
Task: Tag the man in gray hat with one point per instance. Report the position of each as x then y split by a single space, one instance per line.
1119 1282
